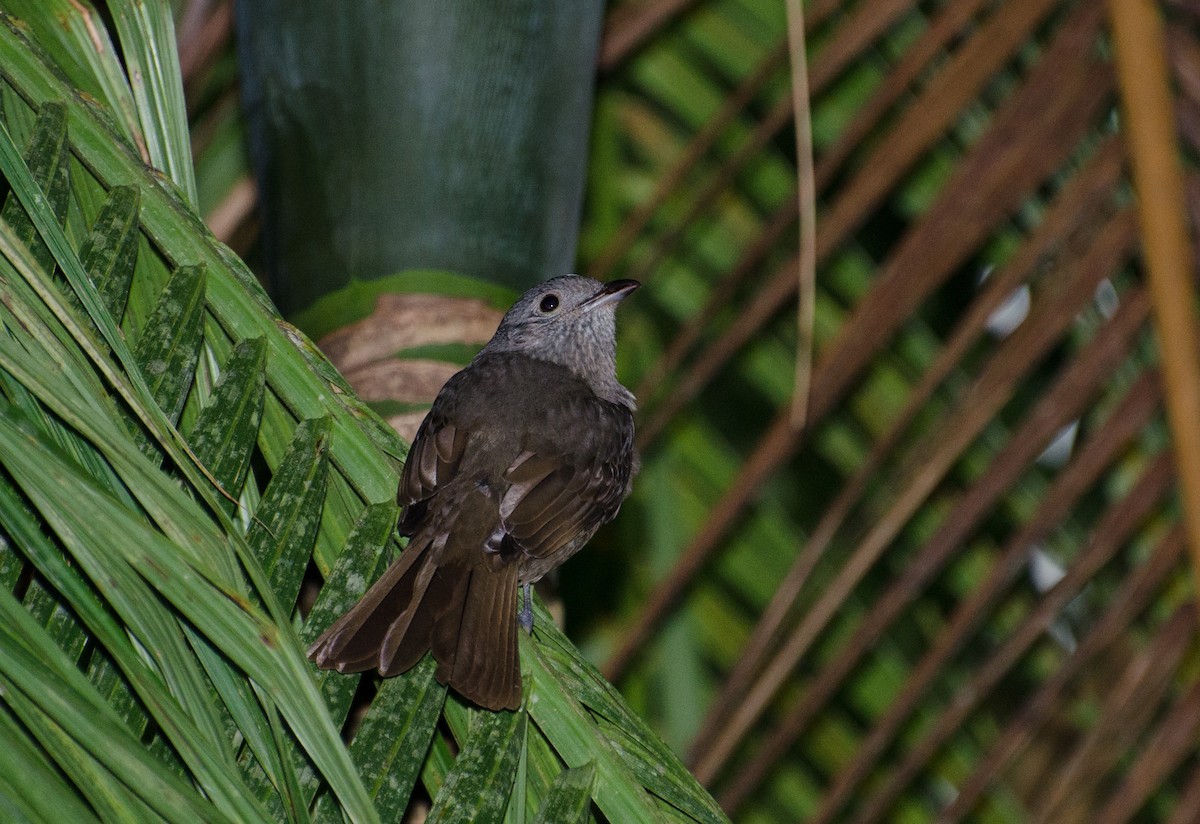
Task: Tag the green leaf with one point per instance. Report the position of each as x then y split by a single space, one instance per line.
640 751
309 727
36 669
147 34
390 747
158 631
131 385
74 36
203 751
195 556
285 525
169 348
571 732
360 563
59 377
21 526
30 788
112 800
478 787
570 797
223 436
110 252
44 607
163 580
223 616
235 298
246 716
46 157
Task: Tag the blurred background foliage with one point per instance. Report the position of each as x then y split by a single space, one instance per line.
961 591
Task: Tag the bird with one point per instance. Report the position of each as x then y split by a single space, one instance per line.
524 454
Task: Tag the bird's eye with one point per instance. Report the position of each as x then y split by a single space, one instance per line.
549 303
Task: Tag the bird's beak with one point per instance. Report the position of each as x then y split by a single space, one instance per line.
614 291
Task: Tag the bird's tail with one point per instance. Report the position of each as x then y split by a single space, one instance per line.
465 611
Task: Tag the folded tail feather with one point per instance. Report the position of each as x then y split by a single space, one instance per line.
465 613
475 640
352 642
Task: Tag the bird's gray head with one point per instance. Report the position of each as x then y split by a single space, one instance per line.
571 321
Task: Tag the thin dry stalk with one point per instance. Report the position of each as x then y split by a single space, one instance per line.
1140 48
806 195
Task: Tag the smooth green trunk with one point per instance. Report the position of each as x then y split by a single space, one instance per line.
398 135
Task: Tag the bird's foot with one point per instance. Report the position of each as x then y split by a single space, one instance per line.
525 616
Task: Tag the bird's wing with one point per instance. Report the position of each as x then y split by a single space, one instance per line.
461 408
561 487
433 458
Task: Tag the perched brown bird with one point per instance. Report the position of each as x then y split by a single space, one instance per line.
525 453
